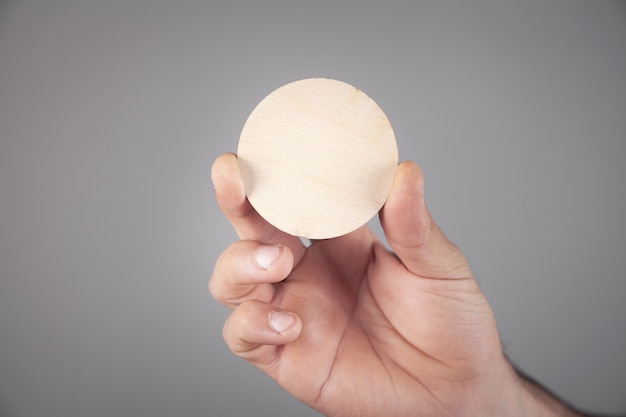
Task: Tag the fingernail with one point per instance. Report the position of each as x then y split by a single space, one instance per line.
280 321
266 255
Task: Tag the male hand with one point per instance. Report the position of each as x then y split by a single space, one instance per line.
352 329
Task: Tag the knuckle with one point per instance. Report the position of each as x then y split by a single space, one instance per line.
239 327
218 280
214 288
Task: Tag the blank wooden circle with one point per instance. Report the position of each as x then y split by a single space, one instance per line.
318 157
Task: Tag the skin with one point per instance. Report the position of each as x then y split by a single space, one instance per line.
352 329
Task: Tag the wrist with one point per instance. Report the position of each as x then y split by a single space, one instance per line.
540 401
518 395
530 399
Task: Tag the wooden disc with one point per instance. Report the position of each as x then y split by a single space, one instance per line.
318 157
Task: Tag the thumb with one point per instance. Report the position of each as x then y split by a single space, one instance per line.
411 232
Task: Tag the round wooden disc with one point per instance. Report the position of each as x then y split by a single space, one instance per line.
317 157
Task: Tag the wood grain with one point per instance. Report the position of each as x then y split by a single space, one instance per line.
318 157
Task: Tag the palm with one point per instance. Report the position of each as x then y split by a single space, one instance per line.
361 337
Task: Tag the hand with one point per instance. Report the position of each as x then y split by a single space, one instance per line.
352 329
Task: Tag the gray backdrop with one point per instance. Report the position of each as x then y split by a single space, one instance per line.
112 112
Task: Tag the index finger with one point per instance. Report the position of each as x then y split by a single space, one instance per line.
246 221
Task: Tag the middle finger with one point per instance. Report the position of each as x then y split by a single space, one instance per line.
248 270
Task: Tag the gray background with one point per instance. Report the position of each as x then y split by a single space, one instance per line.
112 112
